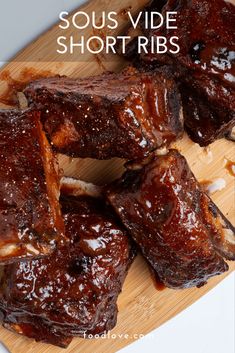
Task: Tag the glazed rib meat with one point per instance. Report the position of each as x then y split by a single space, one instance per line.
124 115
178 228
204 66
208 53
209 109
73 291
206 36
31 224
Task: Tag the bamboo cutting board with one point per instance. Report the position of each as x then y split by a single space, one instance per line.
141 307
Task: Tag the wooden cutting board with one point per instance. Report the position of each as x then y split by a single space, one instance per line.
141 307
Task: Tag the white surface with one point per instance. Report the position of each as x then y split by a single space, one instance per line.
208 326
205 327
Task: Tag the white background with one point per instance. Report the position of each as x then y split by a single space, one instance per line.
208 326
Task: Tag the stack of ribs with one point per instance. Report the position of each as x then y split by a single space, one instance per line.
65 245
64 254
204 66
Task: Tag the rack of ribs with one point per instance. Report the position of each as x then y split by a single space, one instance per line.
180 231
125 115
204 66
74 291
31 224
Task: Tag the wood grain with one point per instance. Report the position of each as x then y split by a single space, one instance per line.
142 308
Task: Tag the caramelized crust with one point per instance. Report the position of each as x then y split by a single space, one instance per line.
178 228
204 66
124 115
30 219
209 109
74 290
208 53
206 36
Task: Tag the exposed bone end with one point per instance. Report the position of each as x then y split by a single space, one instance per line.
23 102
231 134
75 187
7 250
227 241
139 164
161 151
224 240
229 236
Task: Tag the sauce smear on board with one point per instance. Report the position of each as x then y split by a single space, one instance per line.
9 96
